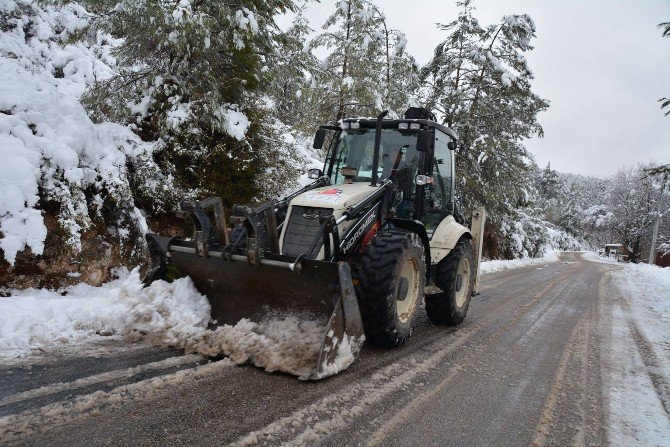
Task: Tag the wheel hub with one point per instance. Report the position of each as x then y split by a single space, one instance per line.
459 282
403 288
407 290
462 282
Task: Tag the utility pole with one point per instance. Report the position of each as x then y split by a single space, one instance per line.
654 234
652 249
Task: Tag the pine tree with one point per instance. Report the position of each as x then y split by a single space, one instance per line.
549 183
191 80
289 70
479 83
367 69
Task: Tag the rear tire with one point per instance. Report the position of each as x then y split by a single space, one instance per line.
455 276
393 275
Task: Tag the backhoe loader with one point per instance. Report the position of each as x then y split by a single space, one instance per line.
376 234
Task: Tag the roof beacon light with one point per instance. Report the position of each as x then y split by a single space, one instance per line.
415 126
344 125
355 125
403 126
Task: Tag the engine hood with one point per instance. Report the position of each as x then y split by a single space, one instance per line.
336 197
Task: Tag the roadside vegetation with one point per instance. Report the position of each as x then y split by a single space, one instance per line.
112 111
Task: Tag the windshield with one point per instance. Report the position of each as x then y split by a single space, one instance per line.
355 149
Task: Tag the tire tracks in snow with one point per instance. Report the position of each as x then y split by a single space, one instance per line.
651 361
322 419
576 406
31 422
95 379
547 296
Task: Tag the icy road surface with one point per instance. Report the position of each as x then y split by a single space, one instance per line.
550 354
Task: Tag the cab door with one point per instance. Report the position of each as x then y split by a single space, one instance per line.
439 195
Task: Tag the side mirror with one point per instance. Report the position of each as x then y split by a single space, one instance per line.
451 145
314 173
424 141
319 138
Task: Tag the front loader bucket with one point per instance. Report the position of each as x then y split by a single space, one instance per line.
237 289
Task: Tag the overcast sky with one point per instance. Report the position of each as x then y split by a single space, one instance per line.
602 63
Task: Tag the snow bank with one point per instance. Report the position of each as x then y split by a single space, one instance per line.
648 301
595 257
36 321
163 314
635 413
640 357
498 265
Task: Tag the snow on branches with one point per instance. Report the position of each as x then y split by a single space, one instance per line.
53 155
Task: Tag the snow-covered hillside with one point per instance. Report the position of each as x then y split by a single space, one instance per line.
49 147
55 159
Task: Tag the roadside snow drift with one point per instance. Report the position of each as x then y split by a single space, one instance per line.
164 314
506 264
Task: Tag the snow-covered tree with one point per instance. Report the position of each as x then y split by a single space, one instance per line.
289 72
62 176
191 79
634 202
479 83
550 183
367 69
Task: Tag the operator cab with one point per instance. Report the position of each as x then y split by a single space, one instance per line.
415 153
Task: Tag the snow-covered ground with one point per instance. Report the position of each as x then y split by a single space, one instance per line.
35 322
649 305
638 379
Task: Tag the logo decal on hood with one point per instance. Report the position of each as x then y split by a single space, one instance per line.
330 191
327 196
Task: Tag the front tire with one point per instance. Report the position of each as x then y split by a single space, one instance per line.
455 276
393 275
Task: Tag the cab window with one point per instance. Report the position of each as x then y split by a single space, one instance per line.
438 196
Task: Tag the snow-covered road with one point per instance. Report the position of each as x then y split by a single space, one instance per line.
556 353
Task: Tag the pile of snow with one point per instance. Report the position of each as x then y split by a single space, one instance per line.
288 343
36 321
504 264
649 304
595 257
164 314
48 144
